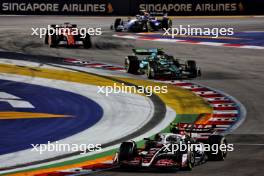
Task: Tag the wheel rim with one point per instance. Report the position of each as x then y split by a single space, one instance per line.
127 65
149 73
144 27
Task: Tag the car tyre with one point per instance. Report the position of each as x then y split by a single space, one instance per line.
52 41
118 21
46 40
191 67
166 23
87 43
217 140
127 151
132 64
151 70
190 161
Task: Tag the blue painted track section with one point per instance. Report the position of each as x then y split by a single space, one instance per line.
19 134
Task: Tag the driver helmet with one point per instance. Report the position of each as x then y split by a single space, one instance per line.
157 137
142 12
153 55
175 130
146 14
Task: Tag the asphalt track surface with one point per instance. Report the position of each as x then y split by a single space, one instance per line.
238 72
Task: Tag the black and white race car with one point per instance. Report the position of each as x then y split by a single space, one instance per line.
164 151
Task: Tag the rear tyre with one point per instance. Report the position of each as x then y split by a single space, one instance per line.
217 140
131 64
190 161
118 21
46 40
87 43
52 41
191 68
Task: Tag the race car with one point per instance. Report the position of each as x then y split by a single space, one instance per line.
155 63
66 35
142 23
164 152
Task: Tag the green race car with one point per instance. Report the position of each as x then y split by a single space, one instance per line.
155 63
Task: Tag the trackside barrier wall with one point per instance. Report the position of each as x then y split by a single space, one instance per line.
132 7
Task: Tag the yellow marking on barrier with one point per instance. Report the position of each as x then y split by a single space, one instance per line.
28 115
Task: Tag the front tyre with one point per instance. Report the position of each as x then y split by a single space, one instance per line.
87 43
131 64
166 23
127 151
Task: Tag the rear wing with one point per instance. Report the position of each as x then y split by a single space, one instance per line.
65 25
192 128
142 51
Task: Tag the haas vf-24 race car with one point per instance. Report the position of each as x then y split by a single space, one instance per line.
155 63
160 152
66 35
